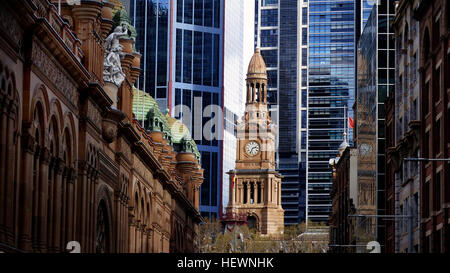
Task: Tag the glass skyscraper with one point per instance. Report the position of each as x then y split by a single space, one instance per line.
331 76
238 50
376 80
276 33
181 42
309 47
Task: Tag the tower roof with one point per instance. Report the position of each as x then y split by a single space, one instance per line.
257 65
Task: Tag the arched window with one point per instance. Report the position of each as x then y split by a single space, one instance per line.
67 148
103 240
263 93
258 92
252 222
136 205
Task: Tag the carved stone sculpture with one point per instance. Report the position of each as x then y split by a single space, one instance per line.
113 54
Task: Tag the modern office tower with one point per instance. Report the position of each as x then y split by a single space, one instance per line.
403 135
363 8
181 42
376 80
238 50
276 34
330 78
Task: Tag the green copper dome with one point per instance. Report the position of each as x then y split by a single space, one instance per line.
182 137
146 110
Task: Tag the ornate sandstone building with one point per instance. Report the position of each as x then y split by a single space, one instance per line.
74 163
255 186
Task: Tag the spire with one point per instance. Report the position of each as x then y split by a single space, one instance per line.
257 79
257 66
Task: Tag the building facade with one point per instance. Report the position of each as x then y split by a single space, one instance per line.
255 185
403 136
75 164
330 81
345 197
181 42
434 59
376 80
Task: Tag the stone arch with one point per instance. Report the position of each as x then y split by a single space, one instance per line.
40 94
39 125
253 221
54 137
104 220
69 128
67 148
56 111
136 204
103 229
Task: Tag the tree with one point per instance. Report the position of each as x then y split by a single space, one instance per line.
302 238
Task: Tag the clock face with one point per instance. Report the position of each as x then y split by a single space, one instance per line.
252 148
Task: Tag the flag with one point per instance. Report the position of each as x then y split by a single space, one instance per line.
233 179
350 122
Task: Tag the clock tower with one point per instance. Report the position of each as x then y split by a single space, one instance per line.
255 185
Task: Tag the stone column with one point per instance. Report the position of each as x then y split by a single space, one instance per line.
233 187
93 213
11 173
118 220
88 215
70 207
279 193
149 240
270 191
43 200
248 192
64 186
3 160
132 231
263 193
241 193
57 205
125 223
25 192
137 237
35 193
81 205
51 205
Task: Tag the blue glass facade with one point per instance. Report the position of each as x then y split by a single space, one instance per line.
276 25
331 79
197 56
376 80
151 19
